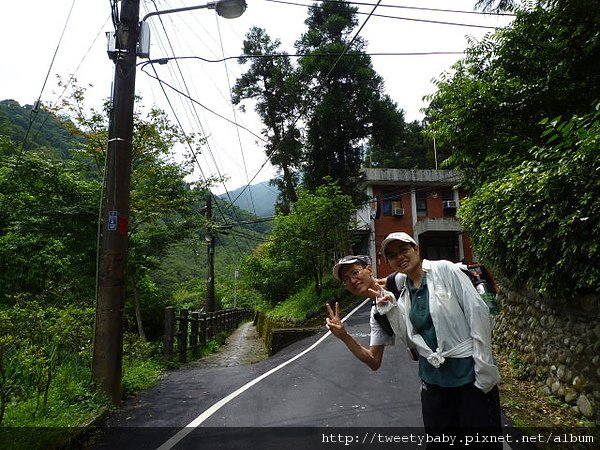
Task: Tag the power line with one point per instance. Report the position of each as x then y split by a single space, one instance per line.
438 22
36 106
416 8
237 130
198 103
187 95
165 60
193 106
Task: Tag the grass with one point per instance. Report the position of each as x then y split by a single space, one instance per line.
73 402
530 410
305 303
141 374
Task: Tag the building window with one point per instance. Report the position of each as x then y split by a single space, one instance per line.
392 204
449 205
421 200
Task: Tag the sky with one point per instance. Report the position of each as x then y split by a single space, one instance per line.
43 40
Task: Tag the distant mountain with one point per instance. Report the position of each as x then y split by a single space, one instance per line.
42 128
259 198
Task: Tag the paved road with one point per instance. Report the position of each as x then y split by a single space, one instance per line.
313 394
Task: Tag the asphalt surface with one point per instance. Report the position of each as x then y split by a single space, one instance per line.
313 394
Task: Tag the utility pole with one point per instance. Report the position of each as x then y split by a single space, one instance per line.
108 333
210 278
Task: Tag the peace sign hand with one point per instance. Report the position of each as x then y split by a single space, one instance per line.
334 323
383 299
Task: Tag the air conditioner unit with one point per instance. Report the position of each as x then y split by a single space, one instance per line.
447 204
398 212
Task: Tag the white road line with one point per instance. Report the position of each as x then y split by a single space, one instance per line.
173 441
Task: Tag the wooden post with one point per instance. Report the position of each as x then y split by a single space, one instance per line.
213 324
203 330
194 333
169 332
182 335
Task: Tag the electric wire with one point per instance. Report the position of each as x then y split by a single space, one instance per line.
193 154
162 83
410 19
35 109
235 117
415 8
339 56
69 81
170 86
187 95
379 4
165 60
181 77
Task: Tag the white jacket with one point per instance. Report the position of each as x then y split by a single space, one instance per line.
460 317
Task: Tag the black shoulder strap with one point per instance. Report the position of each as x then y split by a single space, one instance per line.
393 283
390 284
383 321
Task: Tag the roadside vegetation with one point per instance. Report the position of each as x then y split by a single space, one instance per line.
518 116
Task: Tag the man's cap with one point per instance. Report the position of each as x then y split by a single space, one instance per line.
396 236
348 260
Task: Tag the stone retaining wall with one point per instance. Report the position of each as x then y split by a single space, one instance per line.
553 342
279 334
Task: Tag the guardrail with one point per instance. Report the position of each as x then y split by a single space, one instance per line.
199 327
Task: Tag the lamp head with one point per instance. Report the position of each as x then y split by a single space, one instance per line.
229 9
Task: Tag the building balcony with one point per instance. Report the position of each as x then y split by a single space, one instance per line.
441 224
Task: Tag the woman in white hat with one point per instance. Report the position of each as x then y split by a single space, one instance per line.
449 324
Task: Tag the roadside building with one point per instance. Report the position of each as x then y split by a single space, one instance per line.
422 203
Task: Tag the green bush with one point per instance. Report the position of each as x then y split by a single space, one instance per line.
306 302
540 223
34 343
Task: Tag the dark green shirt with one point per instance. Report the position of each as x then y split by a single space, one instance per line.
455 371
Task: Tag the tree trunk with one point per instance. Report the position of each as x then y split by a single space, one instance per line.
289 185
317 277
138 309
4 390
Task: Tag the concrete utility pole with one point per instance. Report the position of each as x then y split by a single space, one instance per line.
210 278
108 336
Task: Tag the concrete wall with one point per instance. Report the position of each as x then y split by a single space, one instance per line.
277 334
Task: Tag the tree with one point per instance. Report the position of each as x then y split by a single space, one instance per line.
410 150
489 110
50 207
540 222
521 115
271 82
495 5
304 243
48 213
319 114
343 97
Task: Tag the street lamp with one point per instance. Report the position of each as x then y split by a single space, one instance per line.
123 48
229 9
